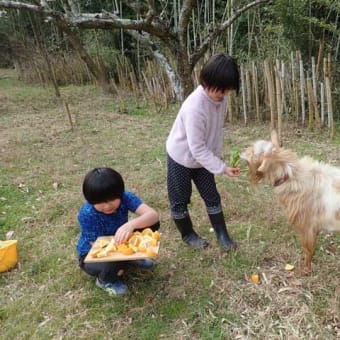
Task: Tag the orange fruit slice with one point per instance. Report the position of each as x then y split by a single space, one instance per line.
147 232
124 249
255 278
142 247
102 253
156 235
111 247
103 243
135 249
153 242
94 253
135 240
150 252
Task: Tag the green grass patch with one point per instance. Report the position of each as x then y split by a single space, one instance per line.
18 204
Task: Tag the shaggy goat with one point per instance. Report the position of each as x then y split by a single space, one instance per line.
308 190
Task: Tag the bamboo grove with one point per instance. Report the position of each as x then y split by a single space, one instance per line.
279 91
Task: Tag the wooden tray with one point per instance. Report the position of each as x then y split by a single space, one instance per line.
116 256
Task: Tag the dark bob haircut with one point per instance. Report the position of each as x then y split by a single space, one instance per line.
220 73
102 185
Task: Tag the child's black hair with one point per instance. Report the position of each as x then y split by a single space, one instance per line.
102 185
220 73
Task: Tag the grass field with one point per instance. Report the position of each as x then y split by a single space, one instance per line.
190 294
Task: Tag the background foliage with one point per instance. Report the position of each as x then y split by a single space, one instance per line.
265 32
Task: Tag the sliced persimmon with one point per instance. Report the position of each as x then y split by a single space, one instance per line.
125 249
150 252
147 232
156 235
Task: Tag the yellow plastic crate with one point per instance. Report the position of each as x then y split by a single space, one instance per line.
8 255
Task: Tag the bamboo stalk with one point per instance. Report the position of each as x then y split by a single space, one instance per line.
302 92
230 108
292 70
243 87
256 92
322 103
249 92
265 87
320 56
278 100
329 108
121 31
325 69
329 67
282 85
314 76
231 29
316 110
270 87
310 103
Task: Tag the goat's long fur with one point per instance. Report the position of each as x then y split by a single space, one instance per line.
308 190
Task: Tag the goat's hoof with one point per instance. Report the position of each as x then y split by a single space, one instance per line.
303 270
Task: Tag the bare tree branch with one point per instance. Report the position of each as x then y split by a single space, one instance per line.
204 46
149 26
22 5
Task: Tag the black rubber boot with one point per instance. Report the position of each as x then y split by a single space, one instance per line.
220 228
189 236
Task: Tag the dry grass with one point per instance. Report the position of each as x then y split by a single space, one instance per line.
190 294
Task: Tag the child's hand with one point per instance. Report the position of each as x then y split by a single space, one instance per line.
123 233
232 172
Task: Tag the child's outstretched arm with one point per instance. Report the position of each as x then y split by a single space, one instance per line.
147 217
232 172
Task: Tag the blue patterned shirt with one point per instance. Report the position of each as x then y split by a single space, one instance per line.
94 223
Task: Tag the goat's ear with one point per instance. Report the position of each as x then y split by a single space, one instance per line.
264 165
275 139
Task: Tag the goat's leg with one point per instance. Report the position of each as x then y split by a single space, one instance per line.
308 240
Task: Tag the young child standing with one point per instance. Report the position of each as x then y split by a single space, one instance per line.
105 213
194 147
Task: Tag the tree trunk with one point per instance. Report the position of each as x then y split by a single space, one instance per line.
184 72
